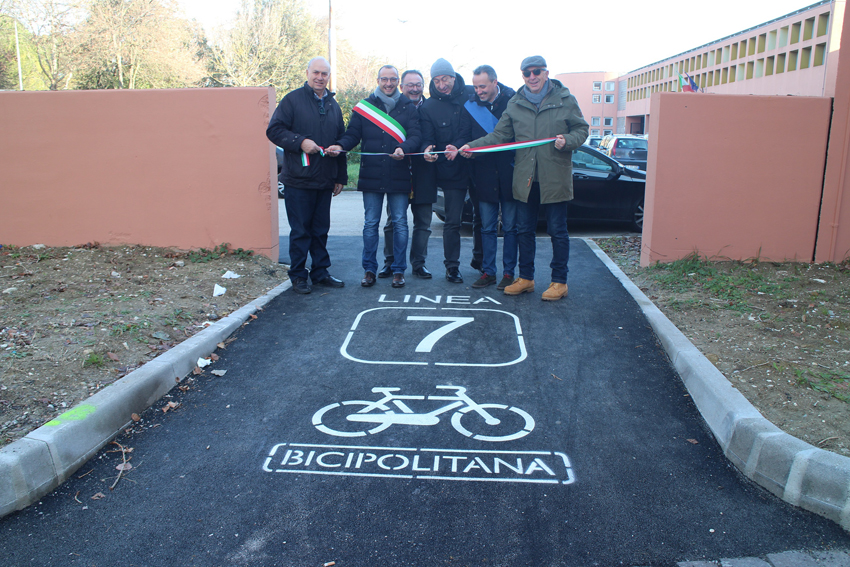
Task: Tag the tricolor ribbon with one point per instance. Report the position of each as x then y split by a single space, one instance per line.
305 157
509 146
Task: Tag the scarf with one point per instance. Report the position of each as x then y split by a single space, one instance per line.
388 101
536 99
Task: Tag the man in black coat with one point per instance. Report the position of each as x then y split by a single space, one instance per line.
307 120
492 179
446 127
423 194
386 123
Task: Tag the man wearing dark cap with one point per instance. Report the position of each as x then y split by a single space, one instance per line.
542 108
445 127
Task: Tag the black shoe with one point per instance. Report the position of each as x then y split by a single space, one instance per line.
484 281
476 265
368 280
453 275
330 281
386 271
300 285
398 280
422 272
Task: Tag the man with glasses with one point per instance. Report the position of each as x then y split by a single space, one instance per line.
424 195
384 123
492 176
542 108
445 127
307 120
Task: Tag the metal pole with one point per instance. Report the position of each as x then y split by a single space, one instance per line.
18 50
331 47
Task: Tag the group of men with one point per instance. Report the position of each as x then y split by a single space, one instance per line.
411 147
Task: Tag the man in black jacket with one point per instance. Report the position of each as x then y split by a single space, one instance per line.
492 178
307 120
446 127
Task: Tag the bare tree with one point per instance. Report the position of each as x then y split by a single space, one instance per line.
137 43
269 43
51 25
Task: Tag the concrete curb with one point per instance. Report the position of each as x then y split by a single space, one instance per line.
799 473
33 466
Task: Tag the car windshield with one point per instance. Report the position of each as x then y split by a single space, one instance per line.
586 160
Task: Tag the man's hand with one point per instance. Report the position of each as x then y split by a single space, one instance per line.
337 188
451 152
428 155
333 151
398 154
308 146
465 153
560 142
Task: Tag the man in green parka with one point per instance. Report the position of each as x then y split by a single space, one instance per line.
543 174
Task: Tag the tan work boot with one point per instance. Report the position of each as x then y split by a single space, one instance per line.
555 292
520 286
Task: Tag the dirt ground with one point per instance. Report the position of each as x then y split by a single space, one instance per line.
74 320
779 332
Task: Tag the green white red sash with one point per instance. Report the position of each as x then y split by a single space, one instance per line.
381 119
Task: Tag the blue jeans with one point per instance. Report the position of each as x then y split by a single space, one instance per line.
373 205
489 235
556 227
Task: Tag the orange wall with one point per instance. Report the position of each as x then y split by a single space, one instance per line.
186 168
834 235
734 176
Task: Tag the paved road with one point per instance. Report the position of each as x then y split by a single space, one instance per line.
598 456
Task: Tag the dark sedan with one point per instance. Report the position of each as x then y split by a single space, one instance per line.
604 190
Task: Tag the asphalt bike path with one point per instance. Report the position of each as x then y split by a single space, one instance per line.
433 424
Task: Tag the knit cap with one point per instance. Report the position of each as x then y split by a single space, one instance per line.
442 67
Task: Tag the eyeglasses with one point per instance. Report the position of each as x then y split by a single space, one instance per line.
388 79
527 73
413 85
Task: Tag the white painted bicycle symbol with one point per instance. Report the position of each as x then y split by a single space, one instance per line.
355 418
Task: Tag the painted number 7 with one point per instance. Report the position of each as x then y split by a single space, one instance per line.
426 344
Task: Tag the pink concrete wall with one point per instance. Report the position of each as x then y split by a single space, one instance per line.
734 176
186 168
581 87
834 235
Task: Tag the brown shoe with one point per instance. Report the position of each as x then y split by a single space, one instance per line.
368 279
555 292
520 286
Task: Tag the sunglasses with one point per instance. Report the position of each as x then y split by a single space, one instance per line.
536 72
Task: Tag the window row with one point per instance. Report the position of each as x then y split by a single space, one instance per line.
776 39
609 99
606 121
609 86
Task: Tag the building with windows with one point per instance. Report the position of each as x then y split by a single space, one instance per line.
796 54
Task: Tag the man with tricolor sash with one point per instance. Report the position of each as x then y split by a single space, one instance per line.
307 120
386 125
547 124
492 175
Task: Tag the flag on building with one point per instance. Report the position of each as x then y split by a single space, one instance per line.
694 86
684 85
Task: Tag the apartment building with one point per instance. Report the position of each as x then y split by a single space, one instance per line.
796 54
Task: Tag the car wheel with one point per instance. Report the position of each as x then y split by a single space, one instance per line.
637 217
441 217
280 194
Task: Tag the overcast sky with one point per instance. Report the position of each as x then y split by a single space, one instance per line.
614 35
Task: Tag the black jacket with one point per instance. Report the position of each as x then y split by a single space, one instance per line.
444 121
382 173
298 117
492 174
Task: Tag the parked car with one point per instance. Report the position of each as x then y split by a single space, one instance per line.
628 149
279 155
604 190
593 141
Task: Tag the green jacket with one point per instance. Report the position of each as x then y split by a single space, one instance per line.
522 121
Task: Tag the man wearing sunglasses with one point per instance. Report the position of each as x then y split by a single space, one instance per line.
542 108
423 191
445 127
307 120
